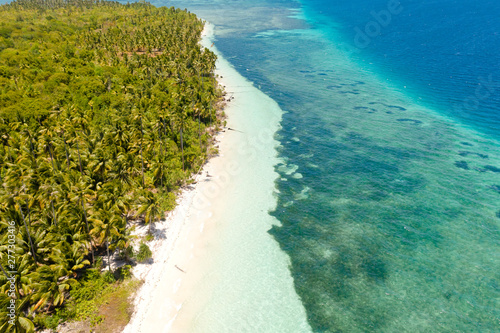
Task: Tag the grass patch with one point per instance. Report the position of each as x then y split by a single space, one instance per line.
97 301
116 307
144 253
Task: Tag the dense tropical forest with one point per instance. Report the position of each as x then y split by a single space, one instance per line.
106 110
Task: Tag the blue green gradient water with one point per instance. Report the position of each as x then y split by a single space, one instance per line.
389 210
445 53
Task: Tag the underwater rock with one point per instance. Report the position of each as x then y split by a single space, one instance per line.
495 188
416 122
467 153
462 165
491 168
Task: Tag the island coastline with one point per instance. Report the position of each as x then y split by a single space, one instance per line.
182 290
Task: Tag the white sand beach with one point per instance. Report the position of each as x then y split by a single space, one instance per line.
216 268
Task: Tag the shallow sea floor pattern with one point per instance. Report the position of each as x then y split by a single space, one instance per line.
389 211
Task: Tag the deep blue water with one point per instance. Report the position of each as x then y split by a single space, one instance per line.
445 51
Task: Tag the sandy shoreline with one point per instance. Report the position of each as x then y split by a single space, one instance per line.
217 269
167 236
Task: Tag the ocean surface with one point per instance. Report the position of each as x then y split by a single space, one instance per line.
388 194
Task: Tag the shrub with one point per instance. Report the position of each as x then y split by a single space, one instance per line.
124 272
47 321
144 253
108 277
98 263
127 253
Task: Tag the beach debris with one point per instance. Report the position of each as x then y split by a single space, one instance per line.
179 269
232 129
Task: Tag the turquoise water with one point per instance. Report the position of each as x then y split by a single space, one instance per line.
389 203
445 52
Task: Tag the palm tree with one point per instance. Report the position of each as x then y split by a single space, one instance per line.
79 193
49 290
69 166
149 207
28 232
21 324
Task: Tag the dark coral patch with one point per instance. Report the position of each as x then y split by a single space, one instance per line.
462 165
416 122
400 108
495 188
369 110
467 153
491 168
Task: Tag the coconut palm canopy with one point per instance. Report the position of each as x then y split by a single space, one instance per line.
105 110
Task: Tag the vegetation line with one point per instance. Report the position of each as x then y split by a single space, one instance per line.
106 111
